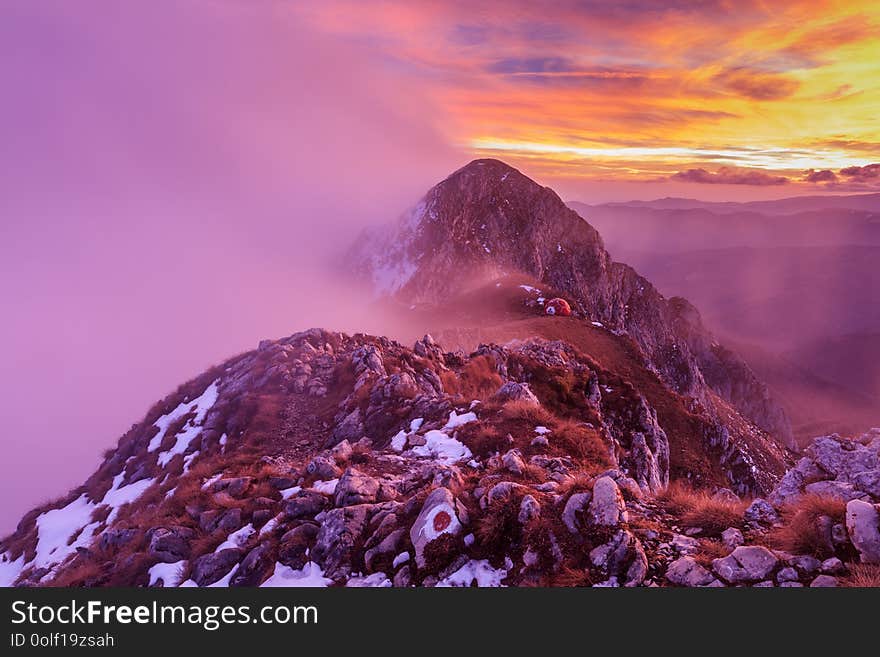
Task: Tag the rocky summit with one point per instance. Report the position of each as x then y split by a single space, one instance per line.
616 445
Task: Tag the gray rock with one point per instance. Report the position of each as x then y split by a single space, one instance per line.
295 545
685 544
842 458
213 566
685 571
529 509
787 574
438 516
823 581
806 564
513 461
607 508
340 532
573 507
761 512
307 504
229 520
622 558
342 452
519 392
386 546
502 491
732 538
323 468
725 495
868 481
863 525
254 567
402 578
235 486
355 487
170 544
791 585
750 563
833 566
112 539
839 490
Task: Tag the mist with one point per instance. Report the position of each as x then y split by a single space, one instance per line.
175 179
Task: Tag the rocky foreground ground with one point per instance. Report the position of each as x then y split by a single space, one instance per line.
325 459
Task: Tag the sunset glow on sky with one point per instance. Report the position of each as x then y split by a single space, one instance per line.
764 94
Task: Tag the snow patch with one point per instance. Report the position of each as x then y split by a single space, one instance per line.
327 487
270 526
403 557
309 575
375 580
477 572
237 538
287 493
201 405
9 569
443 448
456 421
541 430
167 573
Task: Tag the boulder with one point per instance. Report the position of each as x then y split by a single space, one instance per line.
833 566
750 563
725 495
787 574
806 564
868 481
112 539
340 532
235 486
307 504
294 546
574 507
842 458
254 567
213 566
515 392
685 571
438 516
839 490
622 558
761 512
863 525
823 581
355 487
170 544
607 508
732 538
389 545
529 509
323 468
342 452
513 462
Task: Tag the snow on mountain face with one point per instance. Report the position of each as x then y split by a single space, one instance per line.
487 220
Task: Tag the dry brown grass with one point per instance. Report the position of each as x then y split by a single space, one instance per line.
862 575
478 379
580 442
696 508
569 577
800 532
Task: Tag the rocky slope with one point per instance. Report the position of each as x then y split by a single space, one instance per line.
326 459
487 220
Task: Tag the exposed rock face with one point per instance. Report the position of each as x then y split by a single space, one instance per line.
863 525
685 571
834 467
488 219
745 564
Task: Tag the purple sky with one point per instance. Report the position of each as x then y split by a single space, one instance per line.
171 176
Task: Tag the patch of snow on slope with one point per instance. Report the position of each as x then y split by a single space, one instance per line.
167 573
529 288
201 405
327 487
443 448
287 493
237 538
374 581
55 527
117 496
477 572
270 526
456 421
9 569
310 576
